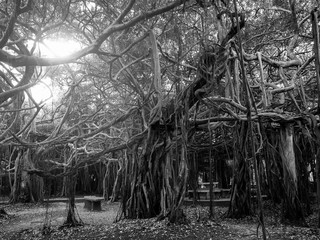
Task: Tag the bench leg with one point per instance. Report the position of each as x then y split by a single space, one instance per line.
87 204
96 206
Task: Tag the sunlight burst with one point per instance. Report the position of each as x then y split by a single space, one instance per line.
42 91
59 47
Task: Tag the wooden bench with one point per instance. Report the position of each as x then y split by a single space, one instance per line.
93 203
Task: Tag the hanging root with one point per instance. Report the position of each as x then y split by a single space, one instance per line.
47 229
177 216
72 220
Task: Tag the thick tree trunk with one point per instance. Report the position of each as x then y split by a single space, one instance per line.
86 180
240 202
193 176
34 187
100 176
304 154
315 30
26 187
273 165
158 182
159 179
292 209
145 194
72 220
179 184
37 189
64 181
318 184
105 181
15 190
117 182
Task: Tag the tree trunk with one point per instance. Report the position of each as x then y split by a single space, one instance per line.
64 181
37 184
292 209
72 220
15 190
315 30
273 165
240 200
318 184
117 182
33 184
180 183
22 188
159 179
193 176
304 154
86 179
100 176
105 181
211 162
144 200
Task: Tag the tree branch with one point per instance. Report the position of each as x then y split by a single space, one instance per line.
24 60
10 26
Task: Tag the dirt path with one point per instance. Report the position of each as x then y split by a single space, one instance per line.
31 216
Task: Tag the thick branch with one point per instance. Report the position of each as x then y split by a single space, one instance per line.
11 24
274 63
12 92
24 60
229 101
125 11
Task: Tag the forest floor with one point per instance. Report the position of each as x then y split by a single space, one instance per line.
27 221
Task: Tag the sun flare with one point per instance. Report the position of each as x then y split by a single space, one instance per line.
59 47
42 91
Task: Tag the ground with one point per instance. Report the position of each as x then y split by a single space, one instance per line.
27 221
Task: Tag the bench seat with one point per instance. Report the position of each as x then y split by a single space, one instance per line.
92 203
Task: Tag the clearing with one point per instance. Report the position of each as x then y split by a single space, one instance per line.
27 221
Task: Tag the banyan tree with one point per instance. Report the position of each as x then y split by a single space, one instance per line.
258 98
153 81
160 172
